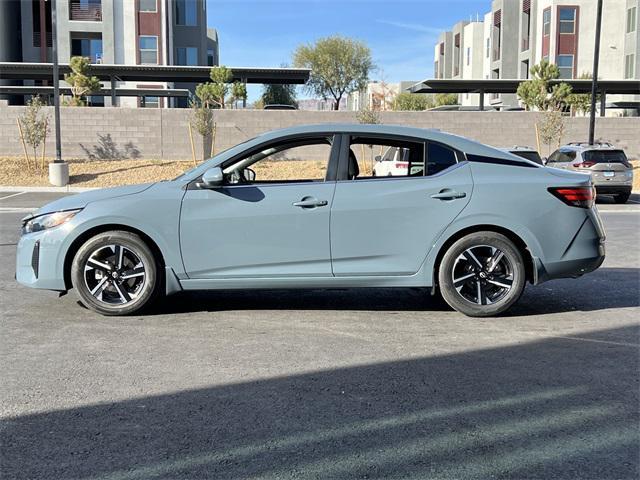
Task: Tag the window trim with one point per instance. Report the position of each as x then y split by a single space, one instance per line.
157 49
148 11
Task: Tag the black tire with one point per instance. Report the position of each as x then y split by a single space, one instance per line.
621 197
480 290
122 284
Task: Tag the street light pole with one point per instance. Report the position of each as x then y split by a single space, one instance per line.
58 170
594 80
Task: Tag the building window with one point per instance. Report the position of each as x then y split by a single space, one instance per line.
211 57
546 22
148 6
631 20
629 65
567 20
150 102
186 13
87 46
468 55
85 10
148 49
488 46
565 64
186 56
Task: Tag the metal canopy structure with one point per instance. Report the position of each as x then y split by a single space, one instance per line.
104 92
511 86
155 73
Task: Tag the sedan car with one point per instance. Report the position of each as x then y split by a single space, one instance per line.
291 209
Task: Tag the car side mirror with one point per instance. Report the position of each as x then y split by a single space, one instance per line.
544 160
249 175
212 178
378 158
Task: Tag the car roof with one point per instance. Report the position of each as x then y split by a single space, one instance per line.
456 141
580 146
518 148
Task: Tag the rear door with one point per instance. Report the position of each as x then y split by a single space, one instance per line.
386 225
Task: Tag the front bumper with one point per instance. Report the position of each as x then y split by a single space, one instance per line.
38 263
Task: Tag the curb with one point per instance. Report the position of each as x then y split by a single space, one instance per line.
66 189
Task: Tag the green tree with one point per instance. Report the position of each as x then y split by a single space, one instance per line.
275 94
581 102
238 92
412 102
339 66
446 99
539 93
80 81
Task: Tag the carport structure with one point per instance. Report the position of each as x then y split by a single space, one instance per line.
19 71
482 87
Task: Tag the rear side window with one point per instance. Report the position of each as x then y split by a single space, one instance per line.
563 156
605 156
439 158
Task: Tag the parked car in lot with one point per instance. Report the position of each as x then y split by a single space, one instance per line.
611 172
525 152
291 209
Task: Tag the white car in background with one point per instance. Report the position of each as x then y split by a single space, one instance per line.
394 162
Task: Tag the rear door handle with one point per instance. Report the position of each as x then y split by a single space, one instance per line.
310 202
448 194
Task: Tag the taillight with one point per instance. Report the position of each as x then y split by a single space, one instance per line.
583 197
584 164
401 165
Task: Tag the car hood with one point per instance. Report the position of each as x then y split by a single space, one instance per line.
81 200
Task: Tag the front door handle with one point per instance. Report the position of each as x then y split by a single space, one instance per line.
448 194
310 202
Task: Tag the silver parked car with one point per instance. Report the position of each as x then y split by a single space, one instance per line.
611 172
301 208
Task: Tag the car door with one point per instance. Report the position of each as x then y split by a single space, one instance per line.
386 225
275 228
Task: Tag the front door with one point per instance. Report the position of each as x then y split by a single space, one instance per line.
273 225
386 225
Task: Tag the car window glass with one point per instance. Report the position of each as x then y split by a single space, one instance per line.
605 156
533 156
439 158
296 161
376 157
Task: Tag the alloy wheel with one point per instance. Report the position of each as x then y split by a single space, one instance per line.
115 274
482 274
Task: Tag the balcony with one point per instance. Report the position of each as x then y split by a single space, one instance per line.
85 10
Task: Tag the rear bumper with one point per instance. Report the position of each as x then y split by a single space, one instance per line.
612 189
584 254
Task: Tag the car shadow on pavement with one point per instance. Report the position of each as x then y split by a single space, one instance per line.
563 407
604 289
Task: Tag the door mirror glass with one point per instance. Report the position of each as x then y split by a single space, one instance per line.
212 178
378 158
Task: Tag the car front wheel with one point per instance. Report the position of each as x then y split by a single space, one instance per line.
482 274
115 273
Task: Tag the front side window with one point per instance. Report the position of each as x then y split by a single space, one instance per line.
301 160
567 20
148 49
565 64
546 22
186 13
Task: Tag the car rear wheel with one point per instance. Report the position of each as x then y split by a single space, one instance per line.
115 273
621 197
482 274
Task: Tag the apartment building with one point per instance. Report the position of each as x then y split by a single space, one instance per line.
130 32
517 34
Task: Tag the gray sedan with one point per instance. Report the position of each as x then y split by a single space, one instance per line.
301 208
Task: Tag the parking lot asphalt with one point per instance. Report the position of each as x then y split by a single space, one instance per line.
366 383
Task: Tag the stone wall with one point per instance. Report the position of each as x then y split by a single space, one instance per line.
162 133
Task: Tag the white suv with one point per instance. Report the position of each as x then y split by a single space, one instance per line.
394 162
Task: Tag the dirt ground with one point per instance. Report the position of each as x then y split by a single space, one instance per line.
110 173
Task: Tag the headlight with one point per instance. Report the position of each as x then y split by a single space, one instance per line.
48 220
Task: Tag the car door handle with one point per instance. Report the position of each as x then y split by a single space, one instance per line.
309 202
447 194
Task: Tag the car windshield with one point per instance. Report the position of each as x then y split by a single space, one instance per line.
533 156
605 156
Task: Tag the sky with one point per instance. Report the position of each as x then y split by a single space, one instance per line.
400 33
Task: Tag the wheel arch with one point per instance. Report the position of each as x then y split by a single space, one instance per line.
522 246
92 232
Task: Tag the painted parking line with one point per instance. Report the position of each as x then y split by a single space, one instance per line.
17 209
12 195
